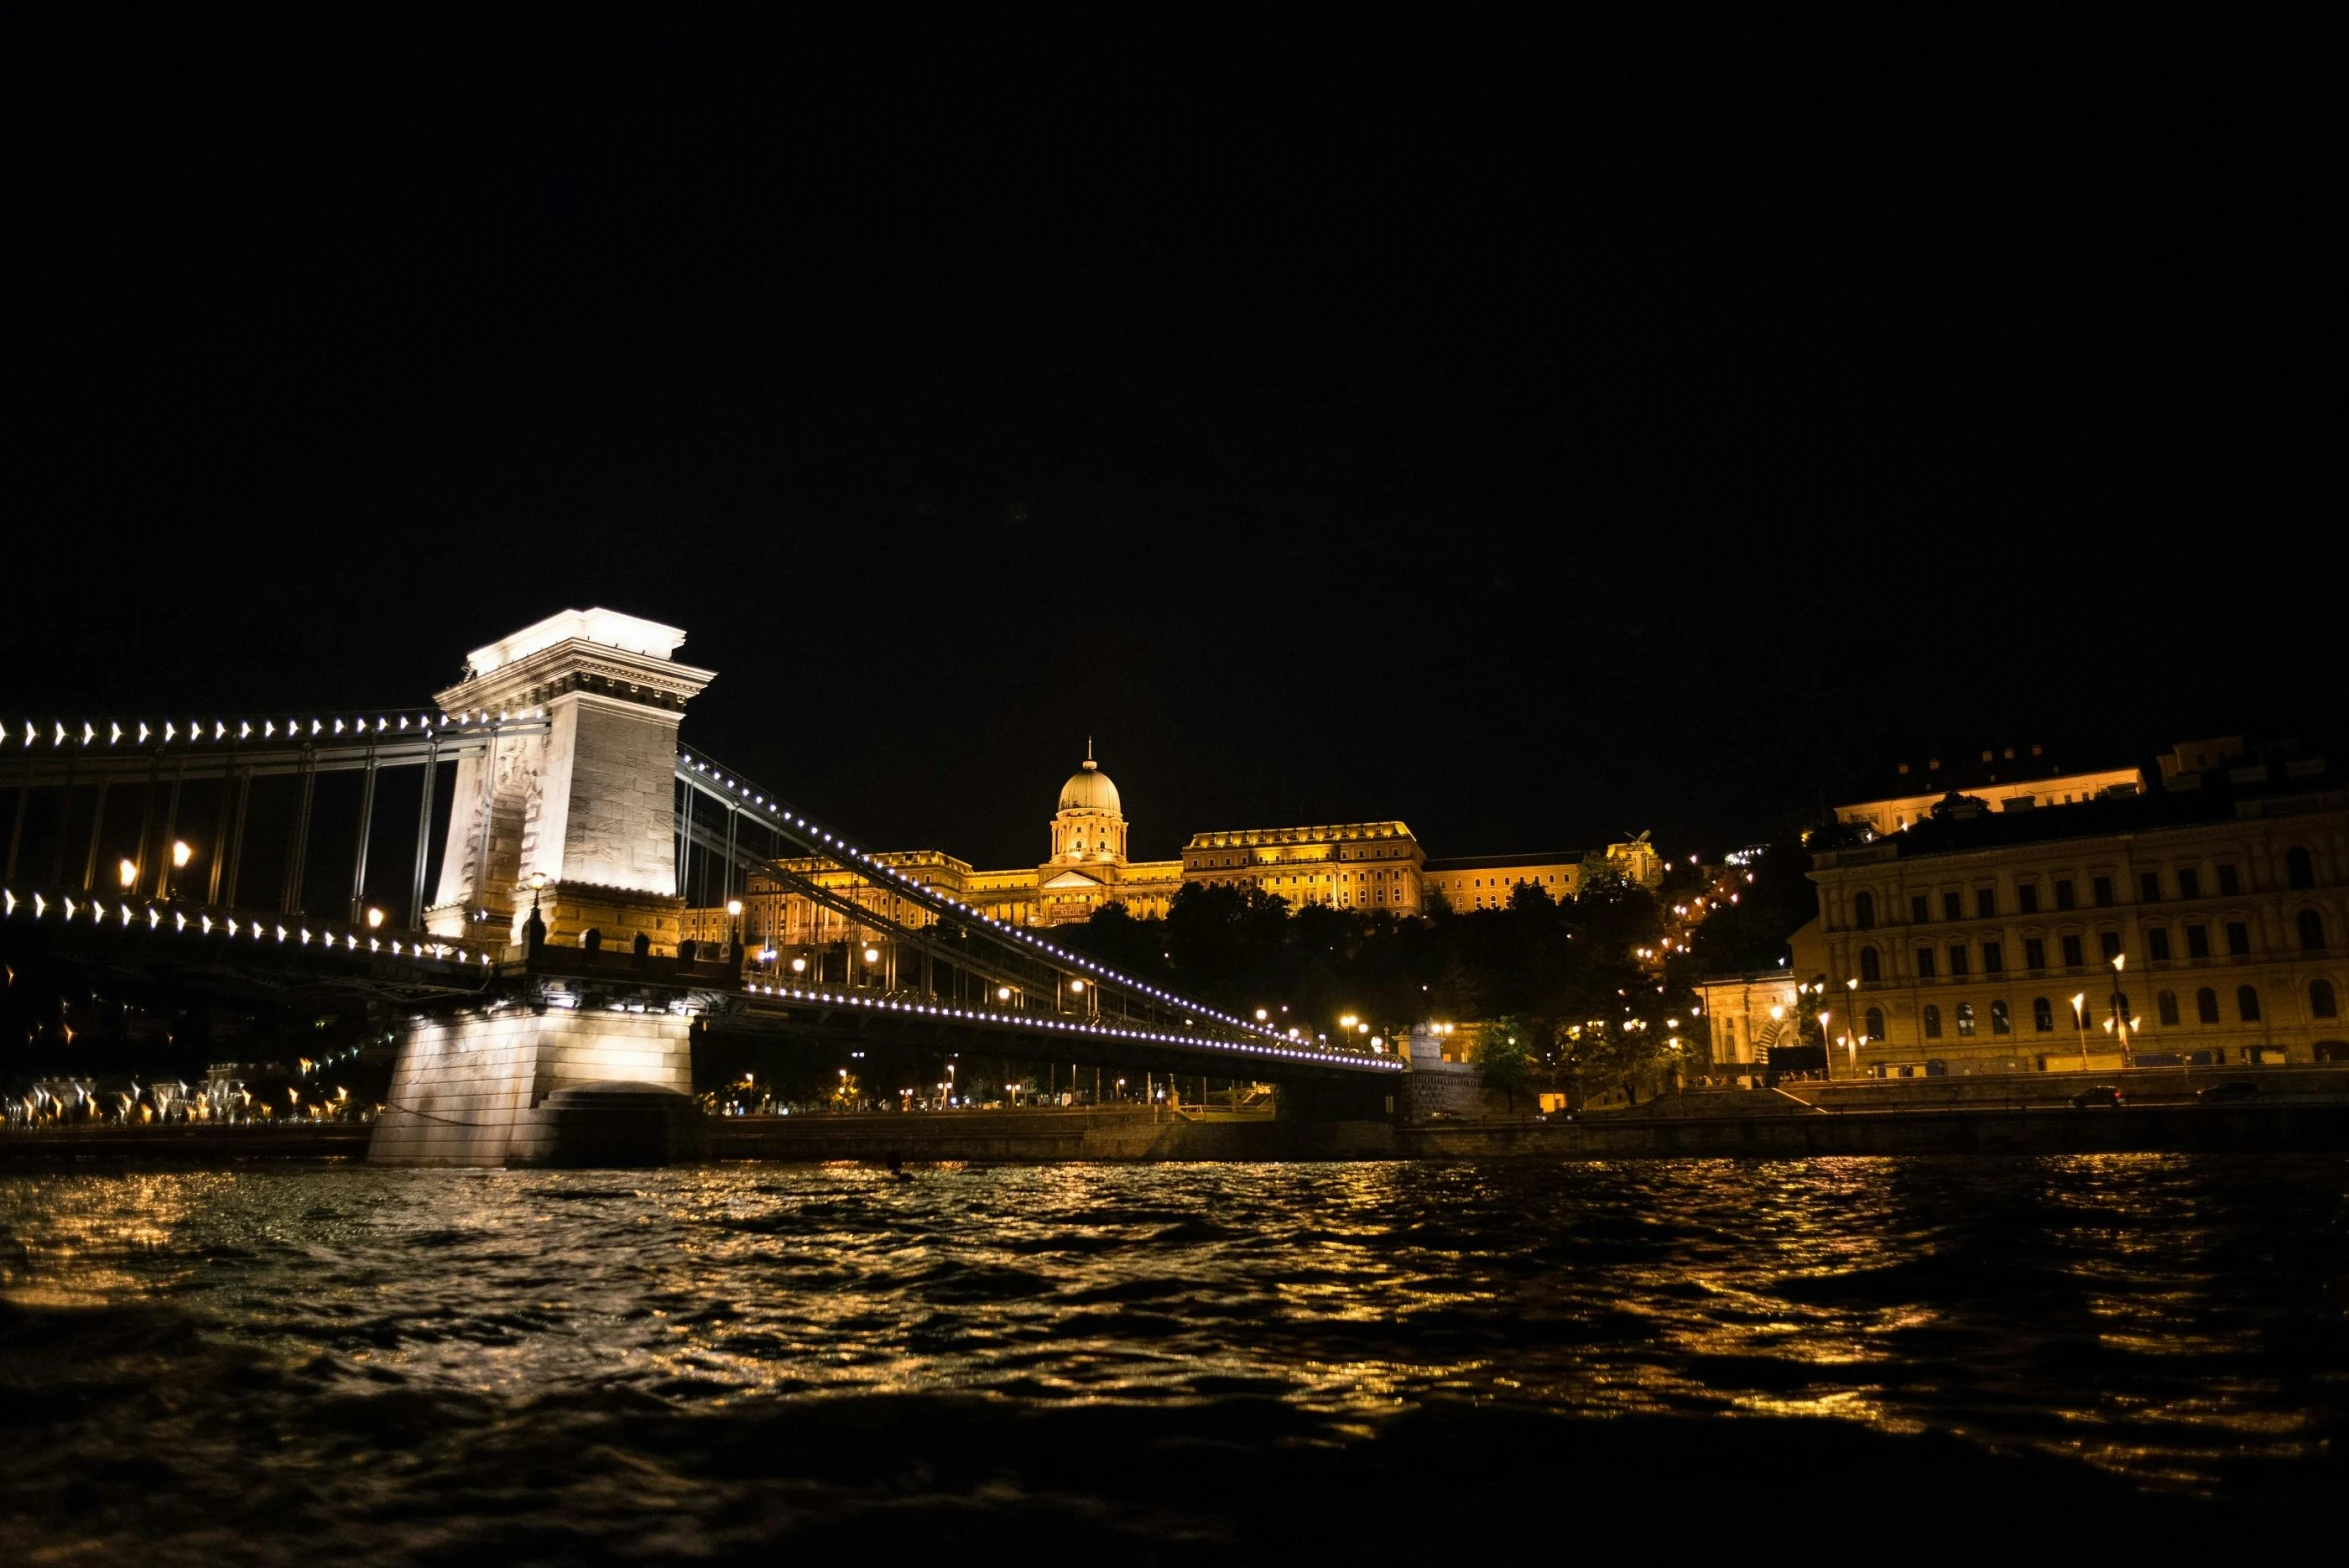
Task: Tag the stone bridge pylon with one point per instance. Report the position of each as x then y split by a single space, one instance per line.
578 813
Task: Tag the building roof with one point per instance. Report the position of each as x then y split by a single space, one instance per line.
1977 766
1564 857
1089 789
2285 786
1230 838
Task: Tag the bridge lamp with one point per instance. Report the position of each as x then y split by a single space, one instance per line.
1003 993
181 854
1346 1022
1261 1015
129 872
872 954
799 966
1076 985
374 919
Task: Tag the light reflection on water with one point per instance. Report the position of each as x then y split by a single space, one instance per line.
2159 1317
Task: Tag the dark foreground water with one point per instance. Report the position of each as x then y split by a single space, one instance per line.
1169 1363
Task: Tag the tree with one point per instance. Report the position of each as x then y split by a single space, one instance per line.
1506 1057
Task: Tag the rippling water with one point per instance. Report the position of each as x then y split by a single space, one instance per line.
1172 1361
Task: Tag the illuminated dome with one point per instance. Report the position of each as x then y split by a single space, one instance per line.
1089 789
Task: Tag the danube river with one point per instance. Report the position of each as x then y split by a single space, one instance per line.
1168 1362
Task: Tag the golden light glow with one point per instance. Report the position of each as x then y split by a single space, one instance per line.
180 853
374 919
129 872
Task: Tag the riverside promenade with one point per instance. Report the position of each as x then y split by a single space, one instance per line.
2298 1112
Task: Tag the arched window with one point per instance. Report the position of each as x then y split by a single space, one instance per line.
2299 868
2042 1014
2165 1007
1932 1022
1871 967
2206 1006
1965 1020
1863 910
1873 1027
2321 1001
2312 931
2247 1003
1999 1022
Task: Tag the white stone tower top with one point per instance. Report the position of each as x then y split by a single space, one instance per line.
610 628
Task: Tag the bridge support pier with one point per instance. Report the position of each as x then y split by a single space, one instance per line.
514 1086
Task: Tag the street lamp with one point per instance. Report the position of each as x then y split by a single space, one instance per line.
129 872
2120 1010
2080 1018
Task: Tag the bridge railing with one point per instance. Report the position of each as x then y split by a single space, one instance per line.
1043 1028
163 756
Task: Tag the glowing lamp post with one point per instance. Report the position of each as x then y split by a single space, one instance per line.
2120 1011
2080 1018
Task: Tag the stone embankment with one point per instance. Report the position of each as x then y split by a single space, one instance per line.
1743 1126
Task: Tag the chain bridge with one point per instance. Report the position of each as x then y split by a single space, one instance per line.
504 870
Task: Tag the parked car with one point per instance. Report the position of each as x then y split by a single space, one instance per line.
2102 1094
2224 1093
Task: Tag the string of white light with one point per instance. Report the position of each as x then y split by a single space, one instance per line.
141 732
93 910
1032 1021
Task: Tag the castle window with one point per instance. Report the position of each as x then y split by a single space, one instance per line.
2299 868
2198 941
2189 882
1965 1020
2238 939
2027 897
2109 943
1932 1022
2149 886
1993 958
1985 902
2206 1006
2042 1014
2312 931
1924 963
2100 889
2063 895
2165 1007
1871 968
1863 909
2321 1001
1953 906
2072 954
2247 1003
2034 952
1873 1028
2230 881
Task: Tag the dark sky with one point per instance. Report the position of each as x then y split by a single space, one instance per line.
1533 435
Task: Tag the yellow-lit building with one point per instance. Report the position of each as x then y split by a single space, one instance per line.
1347 865
2007 778
2208 921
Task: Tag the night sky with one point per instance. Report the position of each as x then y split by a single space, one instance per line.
1531 435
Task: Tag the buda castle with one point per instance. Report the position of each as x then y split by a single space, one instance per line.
1345 865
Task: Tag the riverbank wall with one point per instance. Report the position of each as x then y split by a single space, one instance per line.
1049 1136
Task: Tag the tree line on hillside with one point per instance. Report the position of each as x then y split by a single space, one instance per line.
1563 987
